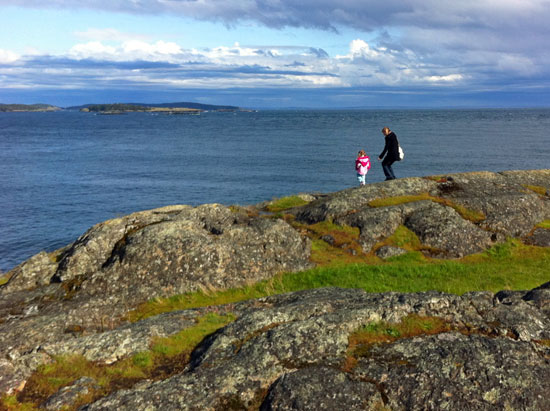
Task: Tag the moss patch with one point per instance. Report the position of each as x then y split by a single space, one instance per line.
332 243
544 224
383 332
541 191
10 403
402 238
285 203
4 278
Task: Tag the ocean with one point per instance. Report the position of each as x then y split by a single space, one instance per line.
62 172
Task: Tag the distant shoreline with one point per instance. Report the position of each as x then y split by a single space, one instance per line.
121 108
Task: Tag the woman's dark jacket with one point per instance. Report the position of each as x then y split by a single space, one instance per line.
391 148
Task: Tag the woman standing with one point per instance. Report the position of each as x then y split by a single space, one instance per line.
391 151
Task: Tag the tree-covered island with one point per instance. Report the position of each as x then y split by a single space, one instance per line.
132 108
168 108
27 107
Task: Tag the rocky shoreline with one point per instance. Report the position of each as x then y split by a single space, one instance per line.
293 351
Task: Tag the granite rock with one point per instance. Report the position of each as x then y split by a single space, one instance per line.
288 352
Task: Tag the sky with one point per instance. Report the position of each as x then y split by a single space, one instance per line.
277 53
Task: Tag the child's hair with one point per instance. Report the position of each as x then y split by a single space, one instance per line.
362 153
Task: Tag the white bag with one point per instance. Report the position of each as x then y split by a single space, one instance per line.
401 154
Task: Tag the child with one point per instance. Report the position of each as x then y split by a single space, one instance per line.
362 166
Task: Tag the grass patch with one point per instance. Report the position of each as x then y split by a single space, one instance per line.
285 203
544 224
409 241
10 403
405 239
510 265
541 191
383 332
402 238
166 357
326 255
187 339
332 243
397 200
466 213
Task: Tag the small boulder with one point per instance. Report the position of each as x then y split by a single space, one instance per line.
540 237
388 251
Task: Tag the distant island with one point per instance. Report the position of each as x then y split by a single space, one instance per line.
121 108
28 107
170 108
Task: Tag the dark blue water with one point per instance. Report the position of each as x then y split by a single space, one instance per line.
61 173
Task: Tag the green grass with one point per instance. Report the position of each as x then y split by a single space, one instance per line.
345 242
410 326
544 224
285 203
187 339
510 265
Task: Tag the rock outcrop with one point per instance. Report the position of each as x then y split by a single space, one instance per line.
289 352
293 351
455 215
118 264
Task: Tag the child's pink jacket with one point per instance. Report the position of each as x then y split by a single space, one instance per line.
362 165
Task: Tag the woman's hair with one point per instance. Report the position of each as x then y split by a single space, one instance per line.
386 130
362 153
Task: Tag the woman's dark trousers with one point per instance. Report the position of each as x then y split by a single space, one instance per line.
388 172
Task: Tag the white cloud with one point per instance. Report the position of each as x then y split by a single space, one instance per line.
162 63
127 51
360 48
8 57
92 49
449 78
141 62
144 49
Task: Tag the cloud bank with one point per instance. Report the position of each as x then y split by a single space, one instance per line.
467 45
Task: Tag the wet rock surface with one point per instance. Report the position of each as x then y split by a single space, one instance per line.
288 351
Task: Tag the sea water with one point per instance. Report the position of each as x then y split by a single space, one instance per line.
62 172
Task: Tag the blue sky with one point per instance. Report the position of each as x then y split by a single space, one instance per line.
277 53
